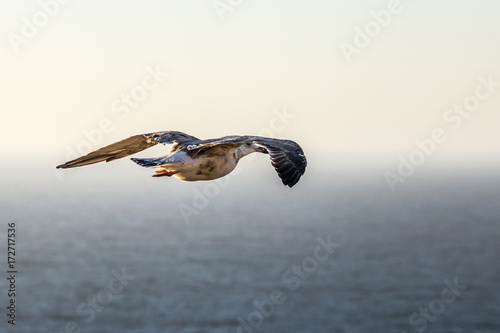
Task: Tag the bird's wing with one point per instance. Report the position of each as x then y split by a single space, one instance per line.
228 141
130 146
287 158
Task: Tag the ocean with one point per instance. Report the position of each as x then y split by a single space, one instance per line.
107 248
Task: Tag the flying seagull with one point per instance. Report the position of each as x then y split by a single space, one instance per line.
193 159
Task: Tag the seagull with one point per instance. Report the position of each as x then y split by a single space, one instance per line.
193 159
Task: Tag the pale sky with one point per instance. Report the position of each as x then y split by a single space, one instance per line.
254 67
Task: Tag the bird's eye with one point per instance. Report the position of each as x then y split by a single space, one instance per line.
249 143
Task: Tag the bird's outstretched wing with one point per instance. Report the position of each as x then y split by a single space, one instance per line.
286 156
130 146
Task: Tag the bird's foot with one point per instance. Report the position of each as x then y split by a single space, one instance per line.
164 172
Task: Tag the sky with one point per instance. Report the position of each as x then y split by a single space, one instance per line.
355 77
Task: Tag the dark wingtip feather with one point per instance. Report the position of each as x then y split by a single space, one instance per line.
289 164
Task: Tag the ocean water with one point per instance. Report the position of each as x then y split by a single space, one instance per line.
110 249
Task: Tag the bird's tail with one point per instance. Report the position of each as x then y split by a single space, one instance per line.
147 162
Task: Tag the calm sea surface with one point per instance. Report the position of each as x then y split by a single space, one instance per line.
110 249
